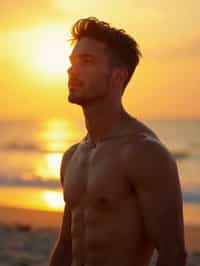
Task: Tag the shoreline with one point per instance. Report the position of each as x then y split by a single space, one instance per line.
35 219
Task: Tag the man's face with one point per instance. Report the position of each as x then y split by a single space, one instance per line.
90 72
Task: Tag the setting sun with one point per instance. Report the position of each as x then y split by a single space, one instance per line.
51 52
45 50
50 57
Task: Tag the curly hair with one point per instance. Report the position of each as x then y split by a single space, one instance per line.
123 48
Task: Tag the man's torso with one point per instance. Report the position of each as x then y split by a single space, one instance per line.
107 227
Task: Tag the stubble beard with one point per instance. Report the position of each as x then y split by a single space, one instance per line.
91 99
75 100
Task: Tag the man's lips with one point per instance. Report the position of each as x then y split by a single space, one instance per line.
74 84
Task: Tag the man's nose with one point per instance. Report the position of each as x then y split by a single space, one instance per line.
72 70
69 70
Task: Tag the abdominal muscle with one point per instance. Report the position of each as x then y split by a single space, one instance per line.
108 235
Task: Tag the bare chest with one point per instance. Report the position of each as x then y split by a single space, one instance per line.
95 176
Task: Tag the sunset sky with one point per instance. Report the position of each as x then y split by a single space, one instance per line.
33 55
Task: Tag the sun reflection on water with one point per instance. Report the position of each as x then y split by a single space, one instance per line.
32 198
56 136
53 163
39 176
54 200
49 167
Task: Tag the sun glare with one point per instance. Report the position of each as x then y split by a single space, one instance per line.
52 52
48 50
58 135
32 198
49 167
54 200
53 163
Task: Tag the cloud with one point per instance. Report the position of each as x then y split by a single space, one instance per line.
23 14
183 49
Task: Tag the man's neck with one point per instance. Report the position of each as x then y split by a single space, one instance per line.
101 118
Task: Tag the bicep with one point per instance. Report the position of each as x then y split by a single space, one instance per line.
66 223
159 198
161 207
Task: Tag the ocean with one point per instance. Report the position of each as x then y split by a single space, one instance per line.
31 152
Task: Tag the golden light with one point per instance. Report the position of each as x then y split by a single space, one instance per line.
46 50
54 200
58 135
49 168
53 163
51 54
32 198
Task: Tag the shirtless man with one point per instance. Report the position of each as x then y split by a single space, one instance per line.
121 185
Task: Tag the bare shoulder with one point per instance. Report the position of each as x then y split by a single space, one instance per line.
146 156
146 146
66 158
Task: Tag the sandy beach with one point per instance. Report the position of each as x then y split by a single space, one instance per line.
27 237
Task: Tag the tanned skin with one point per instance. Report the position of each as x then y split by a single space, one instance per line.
120 184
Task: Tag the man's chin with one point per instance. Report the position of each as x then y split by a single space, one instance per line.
83 101
75 100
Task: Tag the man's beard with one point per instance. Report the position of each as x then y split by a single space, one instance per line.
76 99
85 101
90 99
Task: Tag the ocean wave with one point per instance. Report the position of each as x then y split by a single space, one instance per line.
180 155
36 182
26 147
191 197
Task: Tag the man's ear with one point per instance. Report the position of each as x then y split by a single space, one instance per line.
119 77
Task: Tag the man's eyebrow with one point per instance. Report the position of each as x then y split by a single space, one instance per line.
83 55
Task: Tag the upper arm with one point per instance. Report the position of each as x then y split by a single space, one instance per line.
66 223
65 232
154 175
65 159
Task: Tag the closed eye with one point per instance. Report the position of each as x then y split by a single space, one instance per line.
85 58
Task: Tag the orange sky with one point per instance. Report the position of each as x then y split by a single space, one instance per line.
33 55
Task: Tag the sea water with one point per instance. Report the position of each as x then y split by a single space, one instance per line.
31 153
